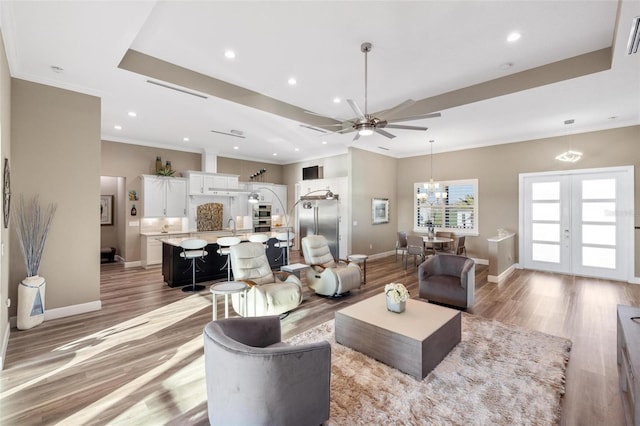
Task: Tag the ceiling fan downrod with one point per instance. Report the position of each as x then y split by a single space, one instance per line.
365 48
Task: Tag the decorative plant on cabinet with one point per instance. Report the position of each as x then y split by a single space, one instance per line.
32 224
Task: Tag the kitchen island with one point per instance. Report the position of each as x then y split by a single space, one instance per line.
176 270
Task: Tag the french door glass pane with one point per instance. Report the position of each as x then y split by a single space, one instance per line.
545 252
598 212
545 232
545 211
599 234
599 189
545 191
599 257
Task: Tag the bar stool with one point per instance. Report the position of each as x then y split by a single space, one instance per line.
260 238
192 249
285 240
225 244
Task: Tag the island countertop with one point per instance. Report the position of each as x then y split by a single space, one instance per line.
212 237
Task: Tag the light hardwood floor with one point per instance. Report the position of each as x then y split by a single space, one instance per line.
139 360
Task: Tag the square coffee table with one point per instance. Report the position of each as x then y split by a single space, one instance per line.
414 341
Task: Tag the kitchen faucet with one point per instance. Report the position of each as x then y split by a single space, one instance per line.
234 225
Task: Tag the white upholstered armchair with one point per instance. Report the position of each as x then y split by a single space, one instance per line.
326 275
270 293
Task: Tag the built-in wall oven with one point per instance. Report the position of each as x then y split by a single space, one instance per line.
262 217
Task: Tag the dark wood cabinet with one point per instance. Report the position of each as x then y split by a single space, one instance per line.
177 271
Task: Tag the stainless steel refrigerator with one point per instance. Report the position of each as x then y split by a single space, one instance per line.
319 216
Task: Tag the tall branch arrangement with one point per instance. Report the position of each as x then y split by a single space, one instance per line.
32 227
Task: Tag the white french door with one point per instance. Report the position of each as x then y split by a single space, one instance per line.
578 222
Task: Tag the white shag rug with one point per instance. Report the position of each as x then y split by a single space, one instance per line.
497 375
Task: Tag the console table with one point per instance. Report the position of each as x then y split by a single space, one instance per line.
629 361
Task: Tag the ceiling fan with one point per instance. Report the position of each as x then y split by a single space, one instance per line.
366 124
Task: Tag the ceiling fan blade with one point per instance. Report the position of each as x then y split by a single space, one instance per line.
402 126
356 137
384 133
392 112
354 106
415 117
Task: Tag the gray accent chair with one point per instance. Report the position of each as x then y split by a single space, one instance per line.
255 379
448 279
270 293
328 276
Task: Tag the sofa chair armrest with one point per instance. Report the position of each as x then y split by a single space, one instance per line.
258 332
466 272
249 283
287 277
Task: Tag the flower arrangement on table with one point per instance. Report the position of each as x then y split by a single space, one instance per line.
396 292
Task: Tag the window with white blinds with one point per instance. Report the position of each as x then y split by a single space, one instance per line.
448 205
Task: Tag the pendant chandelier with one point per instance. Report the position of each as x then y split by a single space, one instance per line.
569 156
435 193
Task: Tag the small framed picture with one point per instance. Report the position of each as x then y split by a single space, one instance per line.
106 210
379 211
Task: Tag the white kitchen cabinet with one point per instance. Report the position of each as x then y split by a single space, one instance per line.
281 192
164 196
201 183
151 248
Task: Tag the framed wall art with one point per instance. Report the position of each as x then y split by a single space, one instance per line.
106 210
379 211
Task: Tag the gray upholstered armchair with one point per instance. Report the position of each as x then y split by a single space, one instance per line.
326 275
448 279
255 379
270 293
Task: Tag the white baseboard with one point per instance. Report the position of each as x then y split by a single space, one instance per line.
133 264
5 343
635 280
67 311
481 261
502 276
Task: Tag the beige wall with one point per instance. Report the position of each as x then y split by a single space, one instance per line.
372 176
244 169
55 147
5 152
132 161
497 169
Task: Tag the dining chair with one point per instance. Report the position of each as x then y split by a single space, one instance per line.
401 244
415 247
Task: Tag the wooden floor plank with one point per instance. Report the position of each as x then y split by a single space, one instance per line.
140 357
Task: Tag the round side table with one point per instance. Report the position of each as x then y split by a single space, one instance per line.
360 258
227 288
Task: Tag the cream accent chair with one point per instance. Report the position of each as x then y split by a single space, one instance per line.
326 276
270 293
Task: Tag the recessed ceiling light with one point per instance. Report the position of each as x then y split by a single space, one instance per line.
337 100
185 139
132 114
275 154
297 149
117 127
292 81
229 54
236 147
324 142
514 36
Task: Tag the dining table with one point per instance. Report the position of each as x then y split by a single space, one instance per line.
431 242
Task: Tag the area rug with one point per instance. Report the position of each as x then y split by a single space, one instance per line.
497 375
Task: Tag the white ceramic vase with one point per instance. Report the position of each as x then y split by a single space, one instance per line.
31 295
395 307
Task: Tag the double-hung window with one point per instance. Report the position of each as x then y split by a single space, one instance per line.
447 206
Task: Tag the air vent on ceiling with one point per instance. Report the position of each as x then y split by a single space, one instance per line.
382 147
634 37
233 132
177 89
313 128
